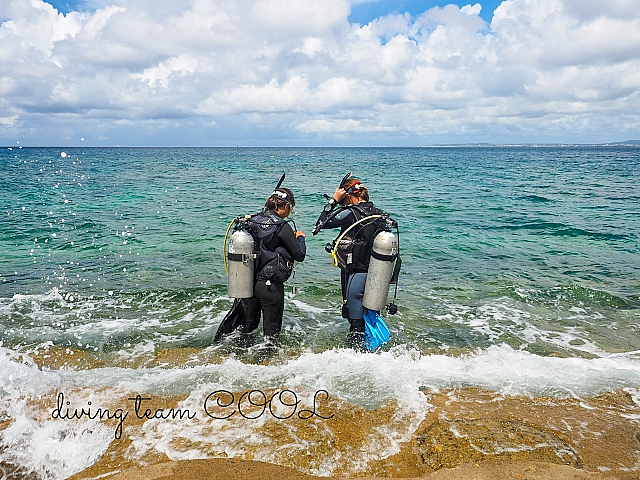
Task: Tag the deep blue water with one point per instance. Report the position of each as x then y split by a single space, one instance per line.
521 276
535 247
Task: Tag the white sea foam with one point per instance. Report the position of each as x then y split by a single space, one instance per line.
371 380
501 319
362 379
309 309
20 376
41 445
52 448
52 294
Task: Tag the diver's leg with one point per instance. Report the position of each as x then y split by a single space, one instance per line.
355 292
251 307
272 300
344 277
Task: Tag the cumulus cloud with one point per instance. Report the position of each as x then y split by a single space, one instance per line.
127 72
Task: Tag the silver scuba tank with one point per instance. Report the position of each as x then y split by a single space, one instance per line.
241 259
383 256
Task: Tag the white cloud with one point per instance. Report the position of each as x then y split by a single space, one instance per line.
160 74
343 127
300 17
9 121
544 34
544 70
590 9
37 24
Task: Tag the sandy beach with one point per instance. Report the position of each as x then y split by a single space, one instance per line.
463 434
231 469
469 434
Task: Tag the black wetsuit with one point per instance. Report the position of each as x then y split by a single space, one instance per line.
353 280
268 296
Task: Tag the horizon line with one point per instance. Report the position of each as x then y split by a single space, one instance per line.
630 143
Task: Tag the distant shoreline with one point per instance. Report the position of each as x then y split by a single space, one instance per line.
627 143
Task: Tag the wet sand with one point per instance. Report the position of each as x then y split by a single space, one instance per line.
470 434
466 434
231 469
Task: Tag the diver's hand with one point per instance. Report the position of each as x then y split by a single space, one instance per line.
299 233
339 194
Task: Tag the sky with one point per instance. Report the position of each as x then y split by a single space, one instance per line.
318 73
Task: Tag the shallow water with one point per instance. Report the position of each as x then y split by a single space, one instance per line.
521 277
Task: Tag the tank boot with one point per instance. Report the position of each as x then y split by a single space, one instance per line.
356 340
267 349
243 340
356 324
270 341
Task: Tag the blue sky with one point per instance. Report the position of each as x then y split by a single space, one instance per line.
367 11
361 13
335 72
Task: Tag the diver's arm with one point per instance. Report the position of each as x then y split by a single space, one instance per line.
296 246
329 212
302 253
340 219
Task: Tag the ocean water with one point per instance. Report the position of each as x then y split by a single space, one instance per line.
521 277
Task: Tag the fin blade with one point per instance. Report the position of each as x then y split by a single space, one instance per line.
232 320
376 331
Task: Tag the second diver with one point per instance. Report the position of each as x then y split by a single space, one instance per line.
351 210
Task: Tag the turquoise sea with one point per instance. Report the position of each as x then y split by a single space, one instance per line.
521 275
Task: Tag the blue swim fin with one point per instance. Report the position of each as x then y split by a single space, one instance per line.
376 331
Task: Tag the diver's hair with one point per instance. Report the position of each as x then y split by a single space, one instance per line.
362 191
279 199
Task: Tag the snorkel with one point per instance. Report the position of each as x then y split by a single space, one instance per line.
344 180
353 189
332 215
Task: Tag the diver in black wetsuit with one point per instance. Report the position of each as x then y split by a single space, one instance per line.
279 246
353 196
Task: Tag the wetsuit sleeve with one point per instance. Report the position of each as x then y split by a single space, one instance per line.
342 220
303 250
295 246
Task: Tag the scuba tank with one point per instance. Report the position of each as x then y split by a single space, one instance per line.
380 271
247 237
241 258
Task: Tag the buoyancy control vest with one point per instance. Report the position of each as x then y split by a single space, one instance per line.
367 245
274 261
354 251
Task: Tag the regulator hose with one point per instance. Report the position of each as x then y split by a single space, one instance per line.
224 250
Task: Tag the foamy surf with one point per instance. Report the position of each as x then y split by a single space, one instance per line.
334 383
